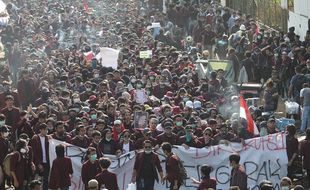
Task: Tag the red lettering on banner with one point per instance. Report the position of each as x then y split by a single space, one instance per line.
270 143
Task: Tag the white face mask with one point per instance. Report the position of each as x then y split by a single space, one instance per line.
2 123
23 151
285 188
96 75
5 134
76 100
148 151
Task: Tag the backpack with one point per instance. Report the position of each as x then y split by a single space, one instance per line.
7 163
182 170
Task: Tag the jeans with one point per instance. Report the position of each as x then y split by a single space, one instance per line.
305 121
145 184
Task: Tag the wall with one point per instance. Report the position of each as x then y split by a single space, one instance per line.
299 18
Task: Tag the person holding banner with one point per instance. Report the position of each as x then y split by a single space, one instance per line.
172 167
146 166
91 167
106 179
206 182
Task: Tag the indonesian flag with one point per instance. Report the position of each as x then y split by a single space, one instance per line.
245 113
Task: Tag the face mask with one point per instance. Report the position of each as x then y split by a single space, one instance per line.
308 66
185 99
96 75
93 117
139 85
263 132
148 151
152 78
179 123
2 123
188 137
23 151
133 80
285 188
88 89
108 139
76 100
6 134
93 157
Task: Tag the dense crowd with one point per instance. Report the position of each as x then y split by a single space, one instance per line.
53 87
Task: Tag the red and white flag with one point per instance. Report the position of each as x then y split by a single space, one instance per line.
245 113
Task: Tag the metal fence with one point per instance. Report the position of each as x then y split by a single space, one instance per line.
268 12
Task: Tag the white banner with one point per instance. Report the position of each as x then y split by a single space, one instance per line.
263 158
108 57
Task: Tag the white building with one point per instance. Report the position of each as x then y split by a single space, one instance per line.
299 15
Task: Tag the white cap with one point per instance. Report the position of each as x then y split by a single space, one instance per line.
93 183
242 27
117 122
197 104
189 104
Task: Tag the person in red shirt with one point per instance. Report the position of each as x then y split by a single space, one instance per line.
91 167
18 164
106 179
61 171
40 147
172 167
81 140
206 182
11 115
238 175
146 168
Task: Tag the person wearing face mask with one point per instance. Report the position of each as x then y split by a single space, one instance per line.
189 139
107 145
146 168
286 183
167 135
90 168
18 164
225 136
61 171
45 97
4 148
178 125
206 140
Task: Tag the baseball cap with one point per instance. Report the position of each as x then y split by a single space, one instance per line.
189 104
117 122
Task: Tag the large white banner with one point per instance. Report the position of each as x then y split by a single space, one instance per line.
263 158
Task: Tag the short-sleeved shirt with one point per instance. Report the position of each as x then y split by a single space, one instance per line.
305 93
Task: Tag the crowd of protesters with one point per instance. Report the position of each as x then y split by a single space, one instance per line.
53 87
